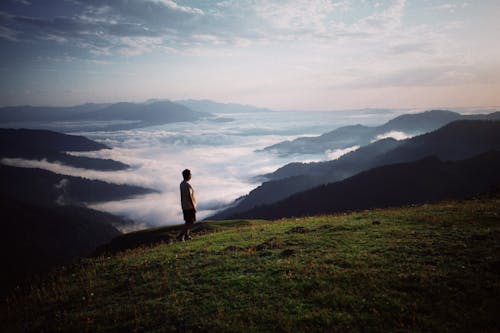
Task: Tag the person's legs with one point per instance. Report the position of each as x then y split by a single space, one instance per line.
189 219
187 230
180 235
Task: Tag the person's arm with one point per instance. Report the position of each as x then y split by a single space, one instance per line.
192 197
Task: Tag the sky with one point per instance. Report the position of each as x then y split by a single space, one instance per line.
300 55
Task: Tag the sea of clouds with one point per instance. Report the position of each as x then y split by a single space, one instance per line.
225 158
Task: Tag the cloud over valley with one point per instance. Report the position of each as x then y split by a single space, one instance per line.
223 158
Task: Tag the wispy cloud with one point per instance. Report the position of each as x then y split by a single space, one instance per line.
337 153
383 21
398 135
139 27
123 27
268 52
8 34
451 7
173 5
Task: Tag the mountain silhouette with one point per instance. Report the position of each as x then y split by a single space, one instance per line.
51 146
43 215
359 135
426 180
28 113
152 113
29 139
458 140
215 107
116 116
45 188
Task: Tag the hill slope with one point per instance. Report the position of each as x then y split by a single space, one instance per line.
359 135
51 146
46 188
457 140
34 238
426 180
431 268
43 218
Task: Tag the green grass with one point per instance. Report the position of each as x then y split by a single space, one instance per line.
425 268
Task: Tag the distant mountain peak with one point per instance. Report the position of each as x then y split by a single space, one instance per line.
205 105
358 135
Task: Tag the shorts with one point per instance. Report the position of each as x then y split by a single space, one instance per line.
189 216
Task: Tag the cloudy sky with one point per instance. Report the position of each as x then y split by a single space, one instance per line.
304 54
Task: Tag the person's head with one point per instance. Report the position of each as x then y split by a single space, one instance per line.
186 174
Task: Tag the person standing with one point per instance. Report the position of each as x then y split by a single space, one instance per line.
188 203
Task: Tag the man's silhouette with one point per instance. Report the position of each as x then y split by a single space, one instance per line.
188 202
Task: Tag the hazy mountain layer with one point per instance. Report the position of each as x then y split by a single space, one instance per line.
41 226
426 180
43 187
117 116
359 135
28 113
215 107
458 140
51 146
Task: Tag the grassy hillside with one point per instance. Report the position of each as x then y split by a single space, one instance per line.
420 269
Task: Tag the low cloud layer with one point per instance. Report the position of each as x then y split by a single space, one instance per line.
221 157
219 176
393 134
337 153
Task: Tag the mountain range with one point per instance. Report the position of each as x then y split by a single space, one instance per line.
215 107
101 117
457 140
359 135
45 188
53 147
44 218
118 116
42 187
425 180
